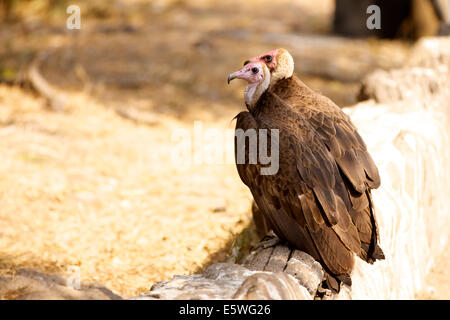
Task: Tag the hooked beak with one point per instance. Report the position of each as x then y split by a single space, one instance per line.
231 77
240 74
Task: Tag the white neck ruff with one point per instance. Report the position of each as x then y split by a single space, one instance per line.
285 67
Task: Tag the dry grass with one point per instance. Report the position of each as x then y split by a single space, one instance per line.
89 188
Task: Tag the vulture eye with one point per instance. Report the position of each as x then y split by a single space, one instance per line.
246 62
268 59
255 70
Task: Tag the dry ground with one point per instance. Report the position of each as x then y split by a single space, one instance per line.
89 187
438 279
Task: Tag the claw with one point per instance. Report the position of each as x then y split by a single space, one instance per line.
269 240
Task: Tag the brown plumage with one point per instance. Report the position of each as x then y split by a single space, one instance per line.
341 137
319 201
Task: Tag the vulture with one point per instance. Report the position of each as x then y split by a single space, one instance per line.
319 200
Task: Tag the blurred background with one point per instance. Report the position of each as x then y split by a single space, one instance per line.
87 116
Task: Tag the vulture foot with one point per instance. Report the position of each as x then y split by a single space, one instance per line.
268 241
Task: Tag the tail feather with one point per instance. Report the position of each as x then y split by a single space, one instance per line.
334 282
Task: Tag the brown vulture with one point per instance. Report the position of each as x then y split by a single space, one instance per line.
319 200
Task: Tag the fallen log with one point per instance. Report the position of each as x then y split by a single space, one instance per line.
57 100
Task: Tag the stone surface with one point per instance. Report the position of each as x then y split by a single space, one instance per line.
430 53
285 274
228 281
408 134
219 281
424 78
417 83
257 260
31 285
306 270
278 260
298 264
274 286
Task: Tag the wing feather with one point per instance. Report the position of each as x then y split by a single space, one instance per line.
315 201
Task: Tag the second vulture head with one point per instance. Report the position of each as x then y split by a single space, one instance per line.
279 61
257 75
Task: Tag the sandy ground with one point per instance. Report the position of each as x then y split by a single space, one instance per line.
438 279
98 186
88 188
